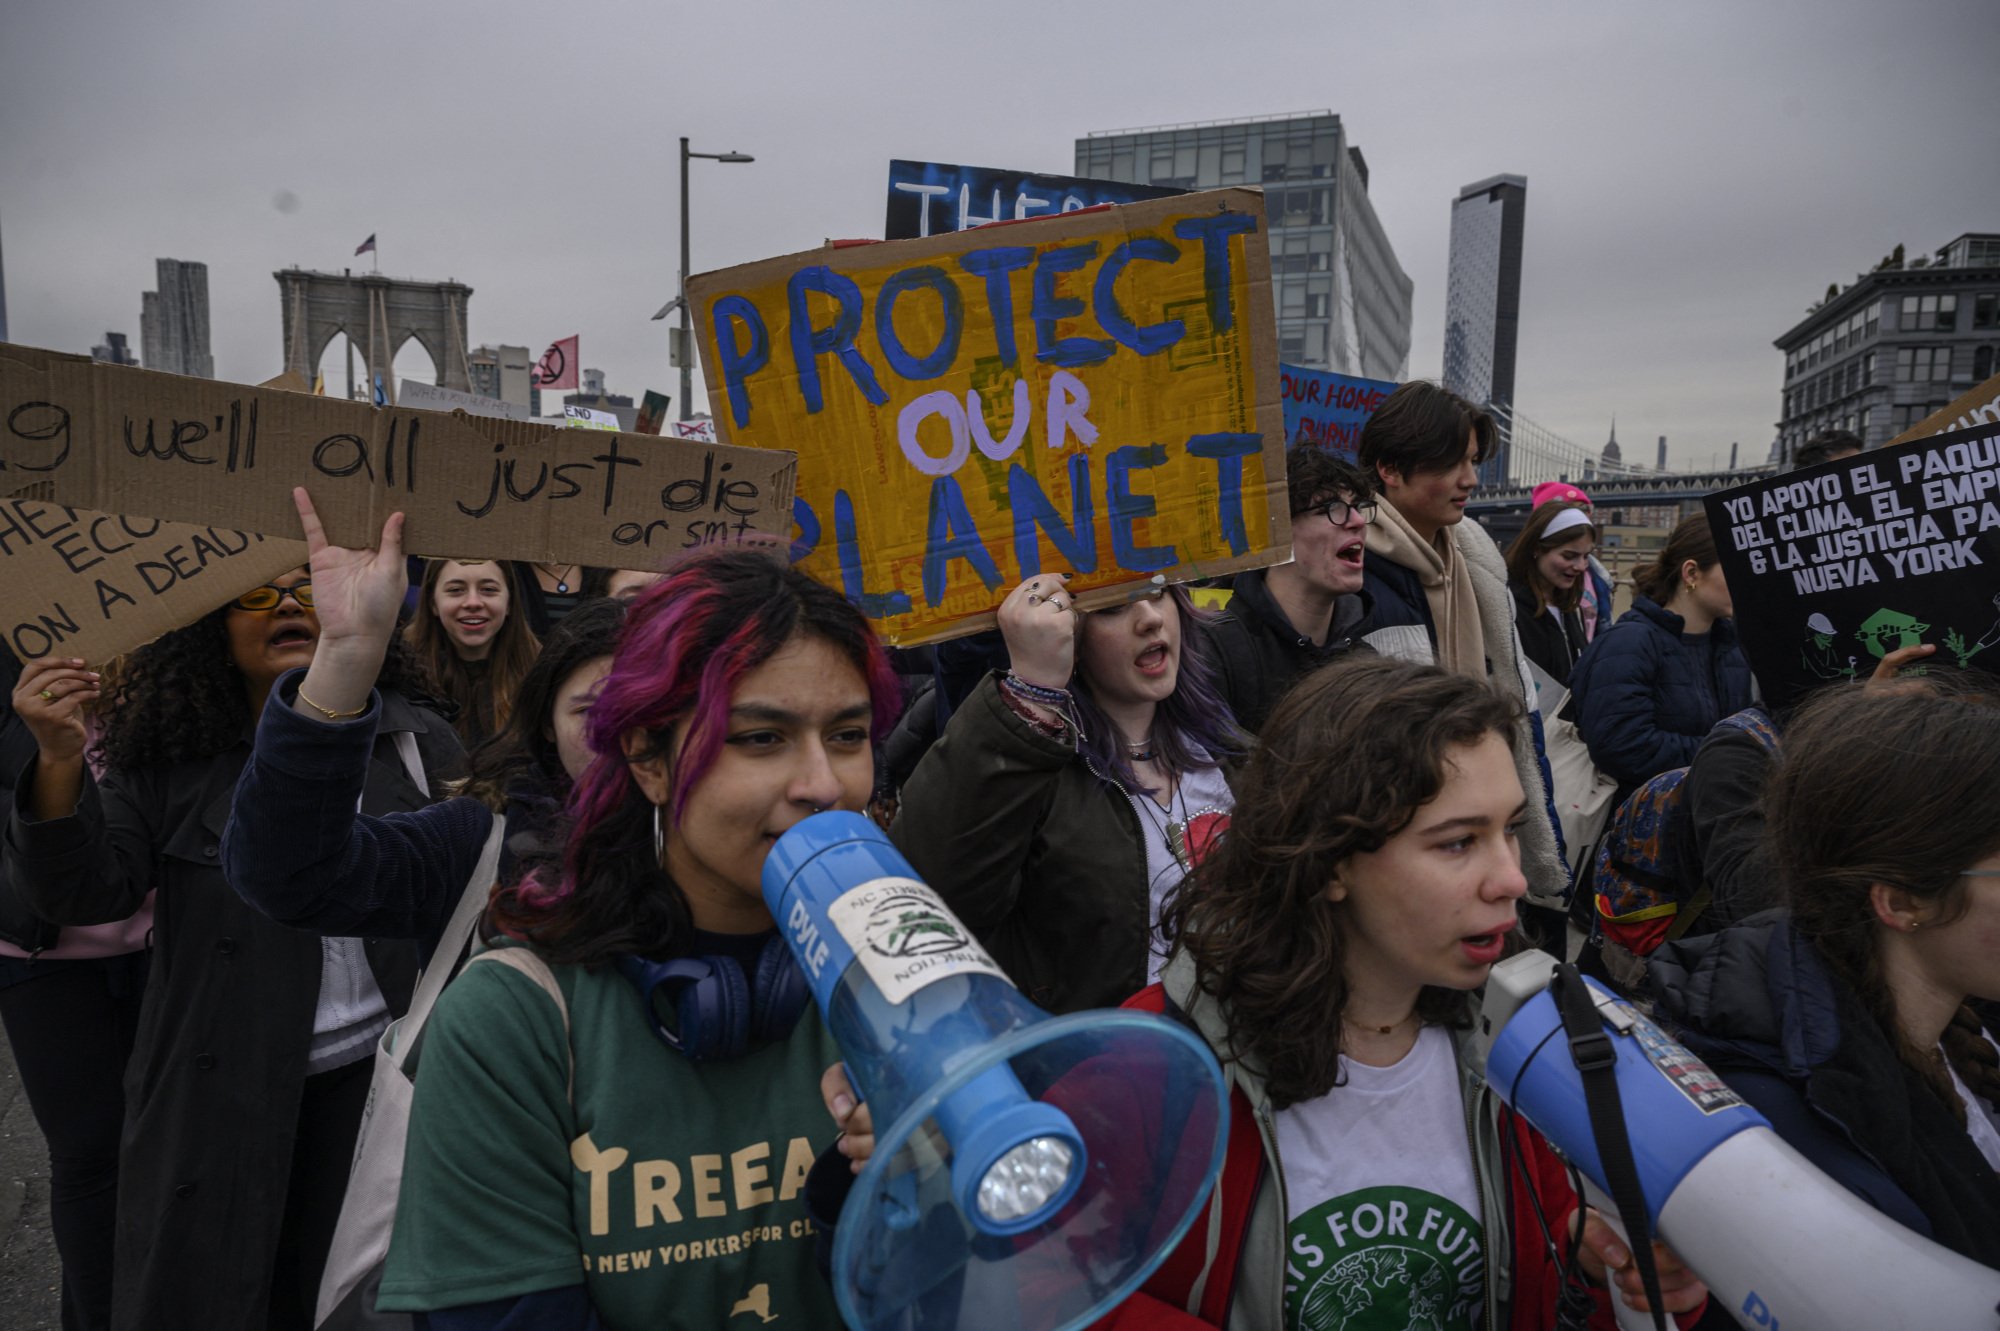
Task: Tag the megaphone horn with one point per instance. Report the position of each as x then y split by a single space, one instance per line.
1029 1171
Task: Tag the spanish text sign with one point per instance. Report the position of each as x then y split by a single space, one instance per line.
139 443
1095 393
1833 567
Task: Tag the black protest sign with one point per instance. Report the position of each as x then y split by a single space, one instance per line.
1834 567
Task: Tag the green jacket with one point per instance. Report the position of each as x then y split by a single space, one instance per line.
1039 856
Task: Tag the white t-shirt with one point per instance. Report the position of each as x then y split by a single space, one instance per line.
1980 1122
1384 1228
1200 800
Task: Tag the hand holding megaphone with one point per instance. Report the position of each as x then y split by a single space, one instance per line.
1014 1169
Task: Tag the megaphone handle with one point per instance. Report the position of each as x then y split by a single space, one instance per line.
1629 1318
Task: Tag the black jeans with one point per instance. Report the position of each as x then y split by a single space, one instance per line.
322 1158
71 1025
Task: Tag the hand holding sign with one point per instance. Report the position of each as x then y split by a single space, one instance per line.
1039 626
356 594
49 698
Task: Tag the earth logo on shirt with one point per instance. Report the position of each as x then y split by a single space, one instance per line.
1381 1259
909 925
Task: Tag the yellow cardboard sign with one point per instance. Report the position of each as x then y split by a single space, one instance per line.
1095 393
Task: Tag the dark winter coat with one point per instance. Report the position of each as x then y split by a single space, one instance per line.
1258 655
1757 1004
1041 859
212 1093
1646 694
1551 646
1725 847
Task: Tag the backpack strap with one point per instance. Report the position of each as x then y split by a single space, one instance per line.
529 963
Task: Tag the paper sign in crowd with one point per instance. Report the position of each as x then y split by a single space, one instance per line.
1096 392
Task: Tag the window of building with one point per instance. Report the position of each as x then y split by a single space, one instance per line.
1854 375
1929 313
1923 364
1982 364
1873 320
1868 369
1232 163
1986 310
1861 426
1292 346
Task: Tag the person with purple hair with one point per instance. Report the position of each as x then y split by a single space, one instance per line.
1071 792
636 1155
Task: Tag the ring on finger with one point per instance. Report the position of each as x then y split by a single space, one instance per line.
47 695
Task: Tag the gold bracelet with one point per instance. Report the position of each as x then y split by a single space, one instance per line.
328 712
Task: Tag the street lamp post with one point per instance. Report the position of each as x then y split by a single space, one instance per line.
687 339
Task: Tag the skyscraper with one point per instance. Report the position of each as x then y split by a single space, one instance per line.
173 321
1342 300
1483 296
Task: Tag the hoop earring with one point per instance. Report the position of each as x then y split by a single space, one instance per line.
659 836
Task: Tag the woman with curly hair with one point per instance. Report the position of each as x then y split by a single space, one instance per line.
252 1060
470 635
743 697
1329 950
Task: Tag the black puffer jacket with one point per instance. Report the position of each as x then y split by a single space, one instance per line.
1258 655
1757 1004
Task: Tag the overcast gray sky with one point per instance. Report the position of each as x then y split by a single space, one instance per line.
1698 173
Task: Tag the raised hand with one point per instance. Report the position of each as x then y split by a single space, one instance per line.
356 593
1039 626
49 698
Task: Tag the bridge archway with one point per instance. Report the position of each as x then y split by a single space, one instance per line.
379 315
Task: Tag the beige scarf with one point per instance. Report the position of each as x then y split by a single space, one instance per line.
1461 646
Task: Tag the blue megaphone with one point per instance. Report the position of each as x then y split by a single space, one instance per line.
1029 1171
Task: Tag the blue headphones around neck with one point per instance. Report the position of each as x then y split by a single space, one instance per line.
719 1013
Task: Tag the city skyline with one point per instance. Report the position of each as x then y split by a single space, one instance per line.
1701 174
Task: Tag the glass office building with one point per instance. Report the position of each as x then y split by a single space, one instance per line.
1482 314
1342 300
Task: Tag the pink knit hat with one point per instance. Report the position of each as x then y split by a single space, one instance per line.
1558 492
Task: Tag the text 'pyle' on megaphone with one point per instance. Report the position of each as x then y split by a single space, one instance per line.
1029 1171
1779 1243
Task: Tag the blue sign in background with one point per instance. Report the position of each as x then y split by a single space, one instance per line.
933 198
1328 409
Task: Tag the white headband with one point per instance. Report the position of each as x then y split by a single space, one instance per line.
1563 521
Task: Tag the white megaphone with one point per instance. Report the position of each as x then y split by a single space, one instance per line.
1779 1243
1029 1171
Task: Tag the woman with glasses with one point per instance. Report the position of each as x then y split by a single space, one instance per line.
1071 792
1860 1020
1284 621
252 1056
1548 568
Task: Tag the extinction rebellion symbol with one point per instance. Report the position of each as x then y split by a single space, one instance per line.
909 924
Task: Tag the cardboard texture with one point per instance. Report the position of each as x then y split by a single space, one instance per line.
1329 409
74 582
1981 406
139 443
1833 567
1095 392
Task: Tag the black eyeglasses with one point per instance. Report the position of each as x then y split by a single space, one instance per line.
267 596
1337 510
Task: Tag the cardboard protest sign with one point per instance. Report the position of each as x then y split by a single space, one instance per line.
932 198
703 430
78 583
432 397
652 412
135 442
1981 406
587 418
1329 409
1096 393
1833 567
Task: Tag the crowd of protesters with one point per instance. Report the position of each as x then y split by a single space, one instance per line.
1307 825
